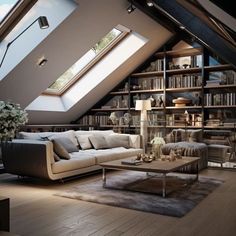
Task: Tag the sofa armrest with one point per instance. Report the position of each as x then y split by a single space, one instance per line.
28 157
134 141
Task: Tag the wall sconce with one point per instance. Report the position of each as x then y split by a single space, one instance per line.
43 24
143 106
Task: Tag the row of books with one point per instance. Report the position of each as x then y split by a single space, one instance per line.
184 120
227 99
221 77
184 81
94 120
157 65
150 83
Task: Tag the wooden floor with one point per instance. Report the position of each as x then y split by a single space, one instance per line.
36 211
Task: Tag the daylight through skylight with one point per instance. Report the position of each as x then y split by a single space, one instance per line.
6 6
85 61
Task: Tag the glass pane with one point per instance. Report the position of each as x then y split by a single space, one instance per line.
65 78
6 6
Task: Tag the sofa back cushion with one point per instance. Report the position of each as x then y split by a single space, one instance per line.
98 141
34 135
181 135
60 150
84 141
66 143
70 134
118 140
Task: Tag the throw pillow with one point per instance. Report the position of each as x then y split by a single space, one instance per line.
178 135
60 150
195 136
66 143
84 141
118 140
56 157
70 134
170 138
98 141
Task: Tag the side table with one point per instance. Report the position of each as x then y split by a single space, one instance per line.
4 214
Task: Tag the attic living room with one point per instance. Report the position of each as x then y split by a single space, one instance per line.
117 117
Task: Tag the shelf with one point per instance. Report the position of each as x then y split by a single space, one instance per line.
183 108
184 71
147 91
148 74
110 109
221 86
180 53
218 68
183 89
183 127
119 93
219 126
220 106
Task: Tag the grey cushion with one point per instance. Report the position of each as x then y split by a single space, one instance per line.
118 140
98 141
66 143
60 150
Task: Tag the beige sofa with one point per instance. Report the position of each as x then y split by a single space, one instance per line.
34 154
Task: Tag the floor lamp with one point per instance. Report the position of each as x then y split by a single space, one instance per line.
143 106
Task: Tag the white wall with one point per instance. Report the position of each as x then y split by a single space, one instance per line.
74 37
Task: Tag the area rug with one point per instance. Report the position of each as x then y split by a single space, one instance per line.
136 190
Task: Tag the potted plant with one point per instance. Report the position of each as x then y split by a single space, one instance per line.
157 143
11 118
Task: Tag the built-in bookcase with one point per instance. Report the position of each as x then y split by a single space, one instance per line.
190 73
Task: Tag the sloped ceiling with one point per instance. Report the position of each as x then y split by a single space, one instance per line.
197 22
68 42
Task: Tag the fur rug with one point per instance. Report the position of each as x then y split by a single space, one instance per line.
136 190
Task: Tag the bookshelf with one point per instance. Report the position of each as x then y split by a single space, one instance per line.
208 84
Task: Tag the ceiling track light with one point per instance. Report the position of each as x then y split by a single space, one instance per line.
131 8
150 3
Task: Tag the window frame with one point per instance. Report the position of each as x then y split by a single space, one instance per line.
12 18
89 66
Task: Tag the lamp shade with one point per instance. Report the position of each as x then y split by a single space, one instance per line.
143 105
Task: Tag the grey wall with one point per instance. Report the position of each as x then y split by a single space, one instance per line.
68 42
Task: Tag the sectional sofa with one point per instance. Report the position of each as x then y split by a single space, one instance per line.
57 155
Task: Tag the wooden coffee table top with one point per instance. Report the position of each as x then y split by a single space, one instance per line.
157 166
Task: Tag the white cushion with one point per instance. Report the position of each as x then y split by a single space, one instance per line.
98 141
118 140
84 141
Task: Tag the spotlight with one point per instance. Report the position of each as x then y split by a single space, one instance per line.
131 8
150 3
42 62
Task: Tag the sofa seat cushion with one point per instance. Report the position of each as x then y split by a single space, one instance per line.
78 160
111 154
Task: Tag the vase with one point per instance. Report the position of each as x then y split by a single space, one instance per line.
156 150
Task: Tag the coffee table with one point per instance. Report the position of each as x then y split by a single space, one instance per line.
158 166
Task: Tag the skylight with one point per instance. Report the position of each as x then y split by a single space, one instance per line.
86 61
6 6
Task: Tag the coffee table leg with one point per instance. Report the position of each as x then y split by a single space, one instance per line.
164 185
104 176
